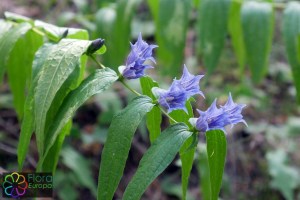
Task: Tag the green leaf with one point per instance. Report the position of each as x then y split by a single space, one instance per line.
212 30
171 20
257 24
57 67
216 152
203 169
236 33
17 18
156 159
187 151
4 27
27 126
187 159
154 8
55 33
116 148
291 31
19 66
7 43
153 118
97 82
71 83
52 157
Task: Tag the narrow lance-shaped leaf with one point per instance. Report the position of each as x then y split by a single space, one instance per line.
17 18
7 43
156 159
27 126
97 82
19 66
116 148
59 64
257 24
153 118
216 152
291 31
154 7
204 174
236 33
52 157
212 30
56 33
187 150
71 83
4 27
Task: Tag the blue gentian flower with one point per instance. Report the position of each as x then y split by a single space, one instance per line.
172 99
218 118
135 63
190 82
180 91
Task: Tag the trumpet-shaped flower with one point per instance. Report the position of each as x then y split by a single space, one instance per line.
135 63
172 99
190 82
218 118
180 91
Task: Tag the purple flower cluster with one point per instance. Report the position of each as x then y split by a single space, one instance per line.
135 63
218 118
181 90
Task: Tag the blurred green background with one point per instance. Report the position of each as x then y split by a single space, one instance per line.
240 49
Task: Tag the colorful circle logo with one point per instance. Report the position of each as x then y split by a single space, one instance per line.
15 185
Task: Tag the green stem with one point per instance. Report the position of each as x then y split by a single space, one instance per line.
122 80
96 61
165 113
128 87
38 31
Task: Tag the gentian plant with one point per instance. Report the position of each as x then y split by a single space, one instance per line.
56 89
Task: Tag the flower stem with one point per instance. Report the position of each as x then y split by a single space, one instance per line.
38 31
165 113
129 88
122 80
96 61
